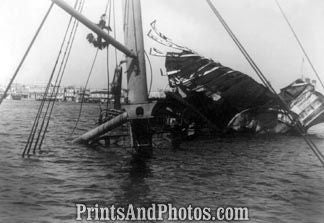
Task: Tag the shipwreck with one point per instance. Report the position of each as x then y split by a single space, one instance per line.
205 95
233 101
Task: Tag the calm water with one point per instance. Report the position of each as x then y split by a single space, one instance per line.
278 178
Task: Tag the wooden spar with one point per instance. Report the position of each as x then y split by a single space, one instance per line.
92 26
139 110
102 129
136 69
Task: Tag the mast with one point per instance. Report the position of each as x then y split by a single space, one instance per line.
139 110
136 69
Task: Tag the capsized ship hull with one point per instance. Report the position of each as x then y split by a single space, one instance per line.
233 101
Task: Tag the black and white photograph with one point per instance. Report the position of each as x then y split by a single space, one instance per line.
162 111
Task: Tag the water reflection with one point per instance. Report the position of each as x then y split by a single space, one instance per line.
134 187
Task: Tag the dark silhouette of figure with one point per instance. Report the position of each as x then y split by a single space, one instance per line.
98 42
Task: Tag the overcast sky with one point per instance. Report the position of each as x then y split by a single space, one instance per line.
257 23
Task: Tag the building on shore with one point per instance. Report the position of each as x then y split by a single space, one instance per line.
37 92
82 95
99 96
70 94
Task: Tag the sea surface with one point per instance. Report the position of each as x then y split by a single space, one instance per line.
278 178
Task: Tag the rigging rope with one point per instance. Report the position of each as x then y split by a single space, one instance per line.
300 43
35 124
108 5
108 74
58 83
134 24
26 53
151 70
85 87
302 69
115 31
126 15
115 50
108 78
43 101
300 128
